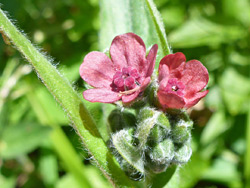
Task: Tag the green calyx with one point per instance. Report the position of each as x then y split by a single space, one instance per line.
182 153
151 141
163 152
119 120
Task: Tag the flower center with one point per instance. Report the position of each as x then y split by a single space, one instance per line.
125 80
175 86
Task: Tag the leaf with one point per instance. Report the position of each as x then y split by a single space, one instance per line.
192 171
50 106
173 15
202 32
67 180
217 125
162 179
71 69
140 17
48 168
224 171
213 61
239 59
101 113
99 182
214 98
239 10
7 182
21 139
235 91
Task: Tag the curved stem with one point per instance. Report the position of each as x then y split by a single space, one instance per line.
63 92
247 156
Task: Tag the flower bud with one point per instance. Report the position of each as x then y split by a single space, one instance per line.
127 153
183 153
180 134
181 128
130 170
119 120
153 127
152 143
155 167
157 135
163 152
146 113
161 156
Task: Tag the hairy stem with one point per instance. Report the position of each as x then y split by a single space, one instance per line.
247 156
70 101
159 26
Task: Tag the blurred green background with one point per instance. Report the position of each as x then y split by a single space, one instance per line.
38 148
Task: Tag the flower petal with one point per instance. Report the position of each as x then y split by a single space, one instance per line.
128 50
173 60
151 60
101 95
170 100
164 83
195 99
163 72
195 77
97 70
145 84
130 98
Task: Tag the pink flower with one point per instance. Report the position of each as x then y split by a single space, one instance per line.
124 76
181 83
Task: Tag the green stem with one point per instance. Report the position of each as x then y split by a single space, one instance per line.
247 156
159 26
70 101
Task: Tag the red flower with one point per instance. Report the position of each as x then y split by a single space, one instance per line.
124 76
181 83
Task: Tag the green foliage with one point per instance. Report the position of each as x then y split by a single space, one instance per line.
140 17
76 111
214 32
21 139
235 91
202 32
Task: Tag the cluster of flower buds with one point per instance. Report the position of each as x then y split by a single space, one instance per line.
156 133
151 141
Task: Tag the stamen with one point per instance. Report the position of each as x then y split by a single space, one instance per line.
129 91
137 83
174 88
